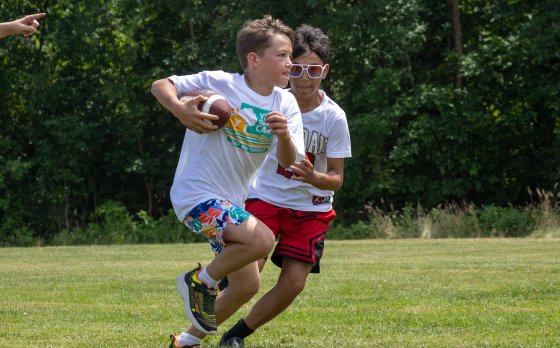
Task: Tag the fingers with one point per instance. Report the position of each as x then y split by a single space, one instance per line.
33 17
190 116
201 126
277 123
28 30
29 24
197 123
302 167
204 122
304 171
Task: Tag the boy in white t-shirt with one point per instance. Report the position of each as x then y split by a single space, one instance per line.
296 201
216 167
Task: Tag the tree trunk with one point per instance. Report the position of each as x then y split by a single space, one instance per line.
149 193
458 40
146 183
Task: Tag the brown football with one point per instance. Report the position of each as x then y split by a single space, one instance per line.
216 104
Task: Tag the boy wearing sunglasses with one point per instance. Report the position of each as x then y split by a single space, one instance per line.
296 202
216 167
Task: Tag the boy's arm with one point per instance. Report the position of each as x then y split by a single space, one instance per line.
331 180
286 149
186 111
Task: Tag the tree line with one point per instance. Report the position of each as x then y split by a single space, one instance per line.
452 101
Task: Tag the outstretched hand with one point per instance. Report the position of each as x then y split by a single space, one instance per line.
29 24
25 26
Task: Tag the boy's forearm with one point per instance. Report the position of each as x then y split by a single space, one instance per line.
165 93
286 152
327 181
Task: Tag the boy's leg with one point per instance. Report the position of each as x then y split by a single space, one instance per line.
289 285
248 240
243 285
246 243
298 252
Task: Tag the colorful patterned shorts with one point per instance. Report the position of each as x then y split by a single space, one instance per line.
211 218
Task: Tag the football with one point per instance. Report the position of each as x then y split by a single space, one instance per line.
216 104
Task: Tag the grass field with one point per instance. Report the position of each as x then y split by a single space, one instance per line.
381 293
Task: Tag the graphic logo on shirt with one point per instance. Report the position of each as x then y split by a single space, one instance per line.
255 138
315 142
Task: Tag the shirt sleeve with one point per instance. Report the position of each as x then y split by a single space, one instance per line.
185 83
339 145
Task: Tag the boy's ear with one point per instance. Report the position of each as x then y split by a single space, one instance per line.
252 58
326 71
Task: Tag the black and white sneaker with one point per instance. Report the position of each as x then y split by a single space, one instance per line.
232 342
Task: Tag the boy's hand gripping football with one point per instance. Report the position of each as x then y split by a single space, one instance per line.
187 112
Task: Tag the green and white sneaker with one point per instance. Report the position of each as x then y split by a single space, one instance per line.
199 301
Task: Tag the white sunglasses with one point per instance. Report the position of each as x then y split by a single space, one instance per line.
313 71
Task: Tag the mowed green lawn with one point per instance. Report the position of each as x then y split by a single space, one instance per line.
381 293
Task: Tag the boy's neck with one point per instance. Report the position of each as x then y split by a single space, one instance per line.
307 105
259 88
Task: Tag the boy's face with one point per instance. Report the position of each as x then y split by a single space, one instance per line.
274 63
304 87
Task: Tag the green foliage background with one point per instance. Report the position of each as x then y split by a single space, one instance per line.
79 129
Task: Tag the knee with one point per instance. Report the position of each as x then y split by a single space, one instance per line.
263 242
246 290
296 288
293 286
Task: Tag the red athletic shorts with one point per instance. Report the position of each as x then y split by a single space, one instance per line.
300 234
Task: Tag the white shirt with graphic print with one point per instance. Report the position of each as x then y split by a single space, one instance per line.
326 136
222 164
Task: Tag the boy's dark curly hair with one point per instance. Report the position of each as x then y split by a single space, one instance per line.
311 39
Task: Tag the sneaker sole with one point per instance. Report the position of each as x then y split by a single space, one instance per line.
184 291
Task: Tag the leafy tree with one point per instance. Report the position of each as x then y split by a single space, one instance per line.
79 128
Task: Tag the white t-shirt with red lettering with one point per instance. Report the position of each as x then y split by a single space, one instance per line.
326 135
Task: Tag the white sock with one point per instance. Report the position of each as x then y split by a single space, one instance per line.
206 279
189 339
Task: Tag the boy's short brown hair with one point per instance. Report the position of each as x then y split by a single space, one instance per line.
255 36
